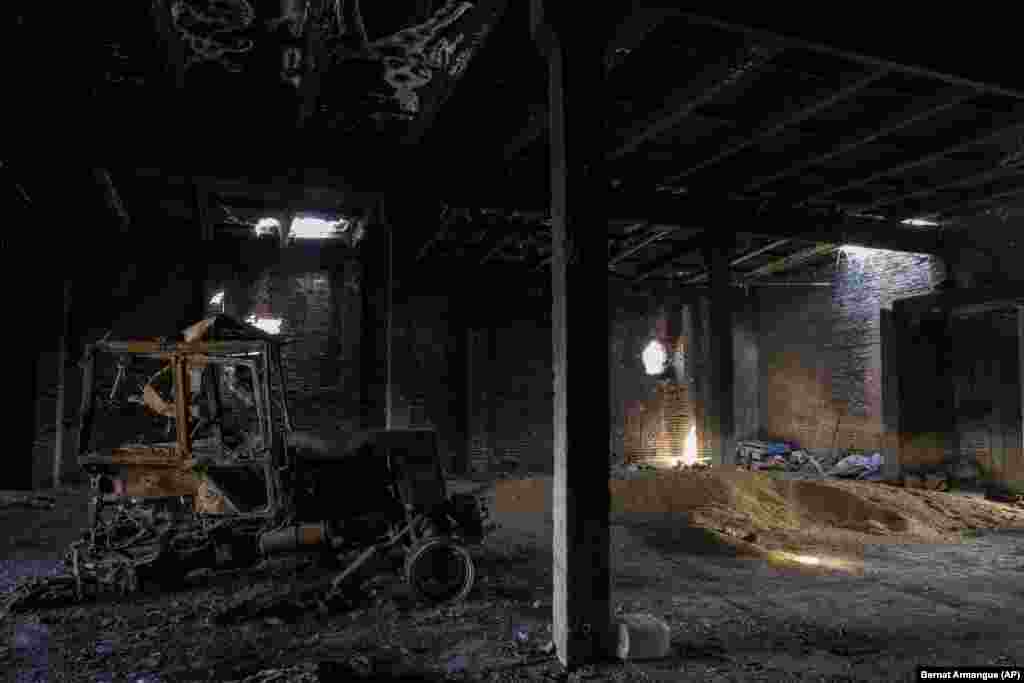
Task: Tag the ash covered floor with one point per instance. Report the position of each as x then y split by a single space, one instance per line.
901 578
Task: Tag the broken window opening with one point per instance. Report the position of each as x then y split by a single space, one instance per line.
268 325
313 228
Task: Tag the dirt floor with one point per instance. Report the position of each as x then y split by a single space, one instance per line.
758 579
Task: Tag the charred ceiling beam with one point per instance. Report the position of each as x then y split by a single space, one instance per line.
478 24
990 175
998 198
175 49
535 127
963 301
791 261
630 33
743 258
893 125
855 57
316 59
781 222
112 197
711 83
656 235
498 237
786 121
988 137
678 251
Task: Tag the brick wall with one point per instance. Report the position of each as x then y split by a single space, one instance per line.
820 360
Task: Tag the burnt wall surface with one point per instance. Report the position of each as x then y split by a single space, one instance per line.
987 394
747 367
820 350
659 419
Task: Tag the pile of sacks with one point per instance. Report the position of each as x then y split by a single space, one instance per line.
771 455
856 465
789 457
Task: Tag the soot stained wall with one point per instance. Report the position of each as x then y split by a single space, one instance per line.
988 396
820 351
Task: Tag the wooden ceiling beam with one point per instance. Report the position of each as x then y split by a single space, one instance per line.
630 33
990 136
112 198
679 250
969 300
741 259
787 120
479 22
895 124
634 29
656 235
160 10
1004 198
791 261
710 83
316 60
855 57
989 175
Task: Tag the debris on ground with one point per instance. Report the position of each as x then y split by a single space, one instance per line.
642 636
12 499
779 512
502 632
858 466
763 455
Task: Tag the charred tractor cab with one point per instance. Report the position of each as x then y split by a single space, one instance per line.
194 464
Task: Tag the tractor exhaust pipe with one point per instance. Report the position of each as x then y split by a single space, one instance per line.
295 537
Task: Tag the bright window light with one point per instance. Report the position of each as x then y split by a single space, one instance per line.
654 358
859 253
307 227
268 325
217 299
919 222
267 226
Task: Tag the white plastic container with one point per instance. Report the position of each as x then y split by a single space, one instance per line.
642 636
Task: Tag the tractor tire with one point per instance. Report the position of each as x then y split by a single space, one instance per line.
440 571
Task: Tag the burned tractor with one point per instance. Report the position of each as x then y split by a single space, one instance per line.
195 464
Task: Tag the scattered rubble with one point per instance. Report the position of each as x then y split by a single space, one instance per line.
784 456
10 499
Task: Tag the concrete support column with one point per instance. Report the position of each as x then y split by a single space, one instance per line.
493 397
720 408
458 384
580 328
18 474
374 346
891 331
1020 370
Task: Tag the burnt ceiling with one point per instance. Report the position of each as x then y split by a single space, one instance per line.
792 131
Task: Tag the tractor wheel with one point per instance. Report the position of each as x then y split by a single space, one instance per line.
439 571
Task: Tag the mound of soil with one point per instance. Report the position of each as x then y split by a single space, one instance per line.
841 515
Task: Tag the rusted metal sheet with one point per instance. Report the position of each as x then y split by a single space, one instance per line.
210 500
157 404
165 351
146 455
145 482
